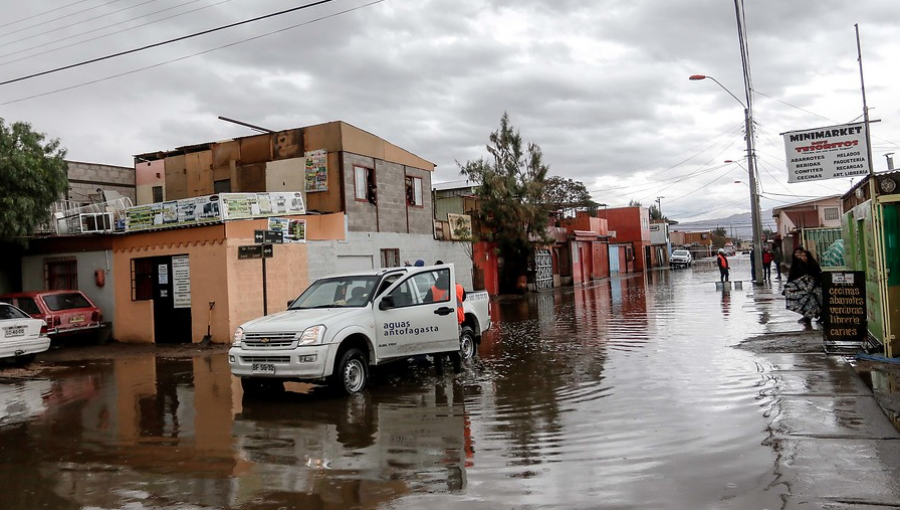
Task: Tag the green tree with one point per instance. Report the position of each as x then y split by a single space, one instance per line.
511 197
33 175
561 194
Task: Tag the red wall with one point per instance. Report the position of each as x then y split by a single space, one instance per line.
627 224
485 259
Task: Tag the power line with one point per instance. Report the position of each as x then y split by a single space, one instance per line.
162 43
64 17
105 35
42 13
160 64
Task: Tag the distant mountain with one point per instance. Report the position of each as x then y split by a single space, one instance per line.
737 225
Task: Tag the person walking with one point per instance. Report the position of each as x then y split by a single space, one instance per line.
803 290
778 258
767 264
722 264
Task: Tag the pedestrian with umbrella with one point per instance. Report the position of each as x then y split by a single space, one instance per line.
803 290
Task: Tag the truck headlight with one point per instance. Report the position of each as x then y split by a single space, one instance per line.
311 336
238 336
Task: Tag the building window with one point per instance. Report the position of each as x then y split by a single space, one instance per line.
390 257
832 214
141 279
61 273
364 184
223 186
414 196
157 194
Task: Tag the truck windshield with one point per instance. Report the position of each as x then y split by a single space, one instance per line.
340 292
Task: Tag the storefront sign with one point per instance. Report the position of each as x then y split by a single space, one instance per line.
221 207
844 306
181 281
826 153
294 231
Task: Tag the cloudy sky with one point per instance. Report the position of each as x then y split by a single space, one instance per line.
602 86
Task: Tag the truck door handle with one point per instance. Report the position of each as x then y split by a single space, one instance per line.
444 311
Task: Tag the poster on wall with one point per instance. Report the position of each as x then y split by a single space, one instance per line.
294 231
181 281
316 171
224 206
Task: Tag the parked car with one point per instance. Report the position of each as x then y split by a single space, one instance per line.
66 312
21 337
681 258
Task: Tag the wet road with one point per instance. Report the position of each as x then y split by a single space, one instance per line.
625 394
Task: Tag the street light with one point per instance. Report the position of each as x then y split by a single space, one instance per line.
751 170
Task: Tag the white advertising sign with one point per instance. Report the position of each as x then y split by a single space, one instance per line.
826 153
181 281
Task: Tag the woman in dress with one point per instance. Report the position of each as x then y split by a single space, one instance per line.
803 290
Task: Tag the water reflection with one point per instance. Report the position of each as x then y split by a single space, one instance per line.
306 451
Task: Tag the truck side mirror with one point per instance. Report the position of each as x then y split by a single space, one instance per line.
387 302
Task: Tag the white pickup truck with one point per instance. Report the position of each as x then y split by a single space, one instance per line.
341 325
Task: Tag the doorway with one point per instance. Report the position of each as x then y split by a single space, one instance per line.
157 279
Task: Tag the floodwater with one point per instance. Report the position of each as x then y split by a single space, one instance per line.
627 393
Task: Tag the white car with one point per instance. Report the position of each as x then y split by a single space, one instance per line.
21 337
681 258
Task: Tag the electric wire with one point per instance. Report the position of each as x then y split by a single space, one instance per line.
105 35
160 64
68 16
41 13
163 43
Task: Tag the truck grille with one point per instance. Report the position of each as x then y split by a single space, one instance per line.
266 359
268 340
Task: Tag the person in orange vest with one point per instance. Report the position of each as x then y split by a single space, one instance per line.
722 263
460 297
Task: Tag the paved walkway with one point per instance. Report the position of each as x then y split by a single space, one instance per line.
827 427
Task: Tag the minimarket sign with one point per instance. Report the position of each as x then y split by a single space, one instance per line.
826 153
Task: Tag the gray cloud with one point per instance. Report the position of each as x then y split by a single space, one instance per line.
601 86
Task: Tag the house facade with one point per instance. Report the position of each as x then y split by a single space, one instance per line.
629 230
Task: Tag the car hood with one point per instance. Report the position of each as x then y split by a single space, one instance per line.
298 320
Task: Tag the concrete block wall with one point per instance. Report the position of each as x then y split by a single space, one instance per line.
391 180
361 216
324 257
85 178
421 219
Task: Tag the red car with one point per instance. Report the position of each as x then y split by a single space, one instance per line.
66 312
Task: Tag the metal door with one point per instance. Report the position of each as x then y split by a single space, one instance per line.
543 269
613 258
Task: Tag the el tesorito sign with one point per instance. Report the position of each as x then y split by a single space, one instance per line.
826 153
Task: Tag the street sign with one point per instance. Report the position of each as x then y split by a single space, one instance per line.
268 236
250 251
267 251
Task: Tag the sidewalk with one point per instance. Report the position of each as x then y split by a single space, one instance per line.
836 446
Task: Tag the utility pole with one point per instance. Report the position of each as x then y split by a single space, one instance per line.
659 206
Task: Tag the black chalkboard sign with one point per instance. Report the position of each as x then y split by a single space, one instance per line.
844 306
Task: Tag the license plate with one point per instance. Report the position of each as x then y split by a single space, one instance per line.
11 332
77 319
263 368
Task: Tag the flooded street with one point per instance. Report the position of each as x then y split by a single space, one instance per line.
629 393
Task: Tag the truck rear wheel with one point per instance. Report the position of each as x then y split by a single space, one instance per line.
351 374
467 346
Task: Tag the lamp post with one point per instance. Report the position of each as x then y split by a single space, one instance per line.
751 170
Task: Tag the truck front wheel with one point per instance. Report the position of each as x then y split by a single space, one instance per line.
467 346
351 373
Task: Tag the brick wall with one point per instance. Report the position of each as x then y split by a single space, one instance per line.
361 216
